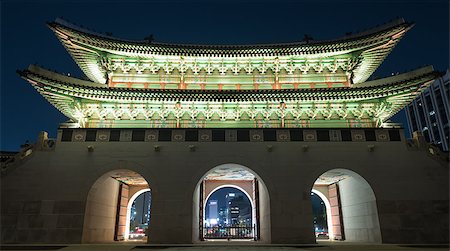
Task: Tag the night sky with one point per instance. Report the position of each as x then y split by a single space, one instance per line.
25 38
220 195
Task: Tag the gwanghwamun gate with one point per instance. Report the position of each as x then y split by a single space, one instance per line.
160 130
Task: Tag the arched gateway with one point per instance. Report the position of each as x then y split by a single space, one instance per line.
109 208
351 207
249 184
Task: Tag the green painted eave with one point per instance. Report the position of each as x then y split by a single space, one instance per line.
367 50
375 100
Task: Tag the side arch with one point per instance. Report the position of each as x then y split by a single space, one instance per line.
106 205
354 204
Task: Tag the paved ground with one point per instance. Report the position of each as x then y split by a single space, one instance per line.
234 247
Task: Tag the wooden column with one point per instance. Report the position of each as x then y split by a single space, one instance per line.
201 203
336 212
256 201
121 217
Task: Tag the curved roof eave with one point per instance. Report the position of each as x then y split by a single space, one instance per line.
364 34
60 89
372 47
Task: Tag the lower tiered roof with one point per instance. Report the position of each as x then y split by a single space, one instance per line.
96 105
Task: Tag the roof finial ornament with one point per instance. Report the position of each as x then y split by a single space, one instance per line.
149 38
307 38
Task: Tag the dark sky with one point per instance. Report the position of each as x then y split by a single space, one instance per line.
25 38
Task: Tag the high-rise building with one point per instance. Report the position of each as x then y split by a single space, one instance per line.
429 113
243 211
238 209
230 210
222 216
213 212
140 210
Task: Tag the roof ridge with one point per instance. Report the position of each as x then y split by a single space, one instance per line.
380 27
377 29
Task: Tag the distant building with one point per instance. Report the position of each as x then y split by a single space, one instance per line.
222 216
239 210
230 211
429 113
213 212
140 211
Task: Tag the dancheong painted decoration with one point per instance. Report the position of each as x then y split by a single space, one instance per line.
146 84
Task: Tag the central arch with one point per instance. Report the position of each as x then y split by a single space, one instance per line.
236 176
250 199
252 203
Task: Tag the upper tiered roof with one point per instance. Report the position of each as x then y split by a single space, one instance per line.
357 55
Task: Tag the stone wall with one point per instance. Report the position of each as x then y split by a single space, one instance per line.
359 210
101 211
44 199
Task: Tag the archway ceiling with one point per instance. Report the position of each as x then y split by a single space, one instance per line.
331 177
129 177
229 173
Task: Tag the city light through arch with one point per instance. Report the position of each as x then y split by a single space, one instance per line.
243 178
138 215
229 211
321 215
234 207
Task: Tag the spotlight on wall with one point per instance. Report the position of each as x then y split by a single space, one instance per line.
305 148
370 148
90 148
192 148
156 148
269 148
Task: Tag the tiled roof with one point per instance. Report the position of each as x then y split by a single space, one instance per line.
63 91
367 48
